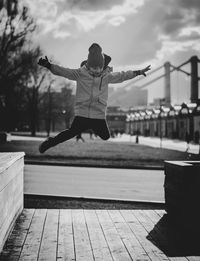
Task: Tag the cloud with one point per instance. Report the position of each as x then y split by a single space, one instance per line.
60 34
85 15
171 47
165 27
132 32
178 15
116 21
179 29
92 5
192 4
42 8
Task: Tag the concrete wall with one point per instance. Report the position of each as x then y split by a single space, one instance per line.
11 191
182 193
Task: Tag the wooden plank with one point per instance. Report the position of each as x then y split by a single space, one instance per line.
32 243
193 258
116 245
48 247
11 198
160 212
83 249
99 245
151 234
15 241
9 158
11 206
137 228
8 174
129 239
65 236
150 227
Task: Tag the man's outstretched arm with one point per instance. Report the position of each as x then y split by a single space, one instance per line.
71 74
117 77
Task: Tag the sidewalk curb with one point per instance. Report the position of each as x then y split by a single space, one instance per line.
136 203
63 164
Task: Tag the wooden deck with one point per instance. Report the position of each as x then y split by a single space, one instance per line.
82 234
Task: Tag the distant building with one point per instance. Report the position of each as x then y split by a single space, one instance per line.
125 98
174 122
158 102
139 97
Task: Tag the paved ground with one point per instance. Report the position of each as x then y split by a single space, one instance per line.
126 184
16 137
155 142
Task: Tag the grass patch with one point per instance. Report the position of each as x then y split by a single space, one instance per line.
97 153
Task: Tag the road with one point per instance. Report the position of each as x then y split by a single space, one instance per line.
126 184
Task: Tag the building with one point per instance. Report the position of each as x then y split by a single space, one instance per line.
127 97
174 122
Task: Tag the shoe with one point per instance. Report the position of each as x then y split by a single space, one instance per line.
45 145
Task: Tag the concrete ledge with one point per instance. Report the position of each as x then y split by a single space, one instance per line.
11 191
182 193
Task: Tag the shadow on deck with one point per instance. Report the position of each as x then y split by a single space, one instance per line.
174 239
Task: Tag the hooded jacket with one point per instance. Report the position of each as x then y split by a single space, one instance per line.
92 92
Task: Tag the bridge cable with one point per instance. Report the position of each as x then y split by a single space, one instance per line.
163 75
175 68
178 69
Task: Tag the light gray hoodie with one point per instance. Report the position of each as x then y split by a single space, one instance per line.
92 92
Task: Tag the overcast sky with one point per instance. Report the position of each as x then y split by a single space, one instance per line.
134 33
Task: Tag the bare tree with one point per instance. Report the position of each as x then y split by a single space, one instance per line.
68 104
38 78
57 106
16 27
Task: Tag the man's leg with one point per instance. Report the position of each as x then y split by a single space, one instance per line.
100 128
79 124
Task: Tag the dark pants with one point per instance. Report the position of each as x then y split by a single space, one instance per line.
81 124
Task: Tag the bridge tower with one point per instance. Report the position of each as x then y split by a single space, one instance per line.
167 83
194 78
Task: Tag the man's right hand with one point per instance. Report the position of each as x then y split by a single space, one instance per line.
44 62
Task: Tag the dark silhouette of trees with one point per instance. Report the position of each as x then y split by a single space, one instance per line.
56 106
22 81
67 105
16 59
38 78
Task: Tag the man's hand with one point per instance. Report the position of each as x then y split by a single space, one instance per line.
143 71
44 62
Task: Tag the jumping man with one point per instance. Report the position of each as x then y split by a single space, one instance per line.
92 80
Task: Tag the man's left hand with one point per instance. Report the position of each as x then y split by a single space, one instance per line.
143 71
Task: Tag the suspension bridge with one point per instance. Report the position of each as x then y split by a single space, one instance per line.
169 68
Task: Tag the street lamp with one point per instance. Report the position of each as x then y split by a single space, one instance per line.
63 112
160 116
49 118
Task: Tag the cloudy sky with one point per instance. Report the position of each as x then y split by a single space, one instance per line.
134 33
